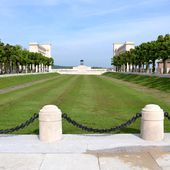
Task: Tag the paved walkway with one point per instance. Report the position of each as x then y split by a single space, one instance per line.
21 74
84 152
149 74
13 88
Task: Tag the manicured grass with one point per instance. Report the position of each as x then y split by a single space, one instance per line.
160 83
6 82
91 100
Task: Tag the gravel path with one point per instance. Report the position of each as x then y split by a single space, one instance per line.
13 88
148 74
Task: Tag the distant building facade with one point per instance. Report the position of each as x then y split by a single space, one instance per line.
160 66
44 49
119 48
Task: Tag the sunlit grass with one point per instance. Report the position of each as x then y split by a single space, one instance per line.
91 100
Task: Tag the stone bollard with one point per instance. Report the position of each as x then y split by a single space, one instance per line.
50 124
152 123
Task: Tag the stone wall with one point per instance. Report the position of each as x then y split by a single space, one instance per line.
81 70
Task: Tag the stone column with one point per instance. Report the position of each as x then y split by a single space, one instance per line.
50 124
152 123
50 68
36 68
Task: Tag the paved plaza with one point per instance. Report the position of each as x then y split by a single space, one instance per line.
84 152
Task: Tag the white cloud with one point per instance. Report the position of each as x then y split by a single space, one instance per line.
95 44
110 31
98 8
93 41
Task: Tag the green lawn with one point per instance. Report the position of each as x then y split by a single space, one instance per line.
95 101
160 83
6 82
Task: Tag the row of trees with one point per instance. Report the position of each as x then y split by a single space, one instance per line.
15 59
140 58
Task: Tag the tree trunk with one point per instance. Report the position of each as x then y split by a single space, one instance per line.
143 67
164 66
139 68
22 68
147 67
153 66
1 68
132 70
125 68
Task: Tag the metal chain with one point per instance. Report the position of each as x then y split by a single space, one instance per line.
20 126
96 130
167 115
78 125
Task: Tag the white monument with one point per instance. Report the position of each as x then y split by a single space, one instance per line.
81 69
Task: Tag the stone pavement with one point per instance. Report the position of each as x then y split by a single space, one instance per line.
84 152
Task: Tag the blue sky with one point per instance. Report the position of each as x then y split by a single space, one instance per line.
82 29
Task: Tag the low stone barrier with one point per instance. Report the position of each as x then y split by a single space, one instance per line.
152 123
50 123
80 72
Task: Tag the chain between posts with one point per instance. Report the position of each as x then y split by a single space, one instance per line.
167 115
96 130
20 126
78 125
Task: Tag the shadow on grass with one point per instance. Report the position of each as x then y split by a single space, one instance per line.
129 130
160 83
36 131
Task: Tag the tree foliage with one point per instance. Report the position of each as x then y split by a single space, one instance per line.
15 59
143 55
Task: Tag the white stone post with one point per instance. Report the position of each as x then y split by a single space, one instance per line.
152 123
50 69
50 124
36 68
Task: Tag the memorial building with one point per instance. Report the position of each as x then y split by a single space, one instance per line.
44 49
119 48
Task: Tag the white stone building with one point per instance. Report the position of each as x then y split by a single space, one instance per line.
44 49
119 48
